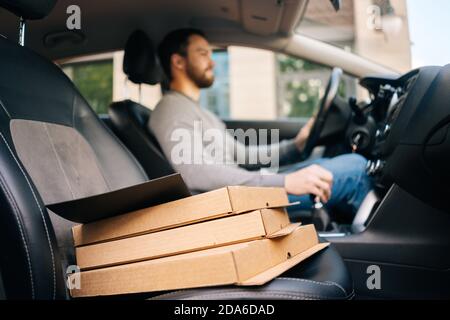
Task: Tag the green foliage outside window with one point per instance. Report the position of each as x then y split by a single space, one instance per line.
95 82
302 98
301 93
302 84
290 64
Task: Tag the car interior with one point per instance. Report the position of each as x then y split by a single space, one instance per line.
55 148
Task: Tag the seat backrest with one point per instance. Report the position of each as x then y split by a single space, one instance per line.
130 119
53 148
129 122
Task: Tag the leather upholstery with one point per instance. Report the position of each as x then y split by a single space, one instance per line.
34 89
140 62
129 121
30 261
29 9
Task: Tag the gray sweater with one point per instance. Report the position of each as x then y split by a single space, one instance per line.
177 114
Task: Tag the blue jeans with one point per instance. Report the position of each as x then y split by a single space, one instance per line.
350 183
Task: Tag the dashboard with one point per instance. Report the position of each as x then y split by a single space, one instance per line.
388 99
412 139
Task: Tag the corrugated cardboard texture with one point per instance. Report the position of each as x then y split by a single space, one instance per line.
225 231
235 264
202 207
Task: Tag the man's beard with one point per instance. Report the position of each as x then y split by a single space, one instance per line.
200 78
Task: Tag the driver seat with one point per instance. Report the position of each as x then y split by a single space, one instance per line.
129 119
53 147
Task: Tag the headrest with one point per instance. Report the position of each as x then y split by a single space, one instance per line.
29 9
140 62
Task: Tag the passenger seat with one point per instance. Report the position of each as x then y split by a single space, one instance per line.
129 119
53 148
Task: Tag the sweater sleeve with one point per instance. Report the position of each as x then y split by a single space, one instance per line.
283 153
206 173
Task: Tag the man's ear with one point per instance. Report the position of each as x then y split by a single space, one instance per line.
178 62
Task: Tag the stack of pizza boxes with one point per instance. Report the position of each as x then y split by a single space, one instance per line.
233 235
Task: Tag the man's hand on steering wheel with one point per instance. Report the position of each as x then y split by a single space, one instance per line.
303 134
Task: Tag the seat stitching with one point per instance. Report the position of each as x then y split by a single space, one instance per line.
168 294
226 292
327 283
41 212
4 108
267 294
230 293
339 286
19 223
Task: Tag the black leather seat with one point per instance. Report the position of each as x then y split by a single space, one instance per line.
129 119
53 147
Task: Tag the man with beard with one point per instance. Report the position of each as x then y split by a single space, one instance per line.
185 56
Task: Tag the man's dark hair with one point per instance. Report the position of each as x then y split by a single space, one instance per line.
175 41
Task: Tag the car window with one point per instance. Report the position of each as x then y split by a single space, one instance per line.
217 98
94 79
100 80
256 84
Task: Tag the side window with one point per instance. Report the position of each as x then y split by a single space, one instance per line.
217 98
255 84
100 80
302 84
94 80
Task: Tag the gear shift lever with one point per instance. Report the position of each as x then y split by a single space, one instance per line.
320 216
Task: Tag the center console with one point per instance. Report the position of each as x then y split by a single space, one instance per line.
406 232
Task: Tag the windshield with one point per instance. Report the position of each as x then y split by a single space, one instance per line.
399 34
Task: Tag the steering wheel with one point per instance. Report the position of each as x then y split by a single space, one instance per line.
325 105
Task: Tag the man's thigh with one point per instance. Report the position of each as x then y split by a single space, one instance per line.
301 165
350 183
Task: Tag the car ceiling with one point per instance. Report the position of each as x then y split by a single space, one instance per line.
106 24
